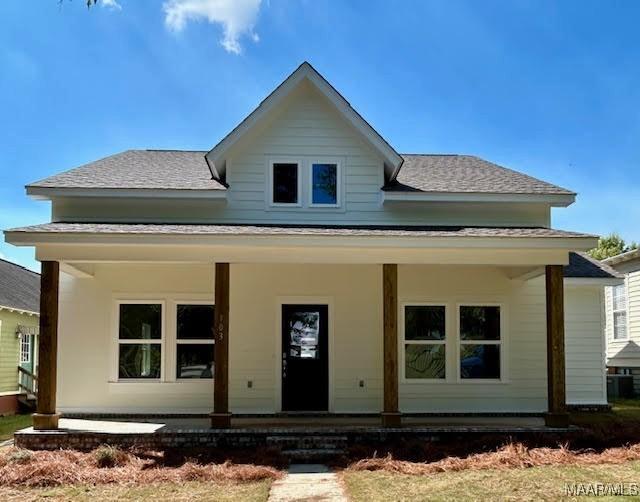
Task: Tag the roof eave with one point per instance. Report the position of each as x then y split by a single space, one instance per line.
26 238
49 193
622 257
554 200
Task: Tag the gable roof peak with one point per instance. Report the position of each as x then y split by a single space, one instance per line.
216 157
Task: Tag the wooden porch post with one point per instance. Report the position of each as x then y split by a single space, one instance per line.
221 418
390 414
557 415
46 416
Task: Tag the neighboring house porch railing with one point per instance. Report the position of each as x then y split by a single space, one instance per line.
27 382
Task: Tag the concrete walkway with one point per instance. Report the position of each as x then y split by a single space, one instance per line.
307 482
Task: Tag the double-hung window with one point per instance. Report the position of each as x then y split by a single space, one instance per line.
140 340
619 307
194 341
480 342
424 342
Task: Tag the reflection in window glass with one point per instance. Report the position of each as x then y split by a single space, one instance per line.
195 322
195 360
479 323
424 322
285 183
480 361
424 360
140 321
304 332
324 179
139 360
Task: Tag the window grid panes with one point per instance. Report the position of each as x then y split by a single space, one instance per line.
194 341
140 341
619 304
619 297
25 349
480 342
425 342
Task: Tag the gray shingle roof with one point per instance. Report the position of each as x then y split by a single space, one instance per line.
19 287
151 169
581 265
296 230
465 174
188 170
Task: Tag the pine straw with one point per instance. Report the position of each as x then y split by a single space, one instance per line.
510 456
68 467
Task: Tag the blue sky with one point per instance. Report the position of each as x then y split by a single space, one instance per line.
546 87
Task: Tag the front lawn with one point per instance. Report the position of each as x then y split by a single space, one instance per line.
535 483
186 491
622 410
12 423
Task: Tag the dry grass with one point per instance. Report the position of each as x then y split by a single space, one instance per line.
67 467
532 484
510 456
175 492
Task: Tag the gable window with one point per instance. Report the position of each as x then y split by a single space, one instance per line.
139 340
480 342
194 341
324 184
425 342
285 183
619 304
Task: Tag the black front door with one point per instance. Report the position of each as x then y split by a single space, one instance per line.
305 361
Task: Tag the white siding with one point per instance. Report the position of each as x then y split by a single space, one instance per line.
584 345
625 353
354 294
306 128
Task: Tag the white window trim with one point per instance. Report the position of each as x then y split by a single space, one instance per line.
338 165
403 341
118 341
501 343
624 311
284 160
25 337
194 341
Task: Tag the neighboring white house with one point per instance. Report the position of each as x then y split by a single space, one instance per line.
623 317
346 278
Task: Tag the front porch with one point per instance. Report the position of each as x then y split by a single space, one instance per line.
367 365
304 435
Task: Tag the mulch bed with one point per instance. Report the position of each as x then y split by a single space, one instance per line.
110 465
512 455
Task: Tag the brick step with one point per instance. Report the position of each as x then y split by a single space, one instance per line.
312 442
312 455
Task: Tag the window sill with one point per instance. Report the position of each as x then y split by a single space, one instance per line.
158 386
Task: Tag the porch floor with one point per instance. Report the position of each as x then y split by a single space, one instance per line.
298 424
157 433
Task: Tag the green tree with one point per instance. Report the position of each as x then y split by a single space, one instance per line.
611 245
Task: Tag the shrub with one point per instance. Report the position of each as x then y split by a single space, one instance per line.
109 456
19 456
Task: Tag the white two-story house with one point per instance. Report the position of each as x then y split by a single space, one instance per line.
304 265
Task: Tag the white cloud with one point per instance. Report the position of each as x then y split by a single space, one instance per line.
111 4
237 17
